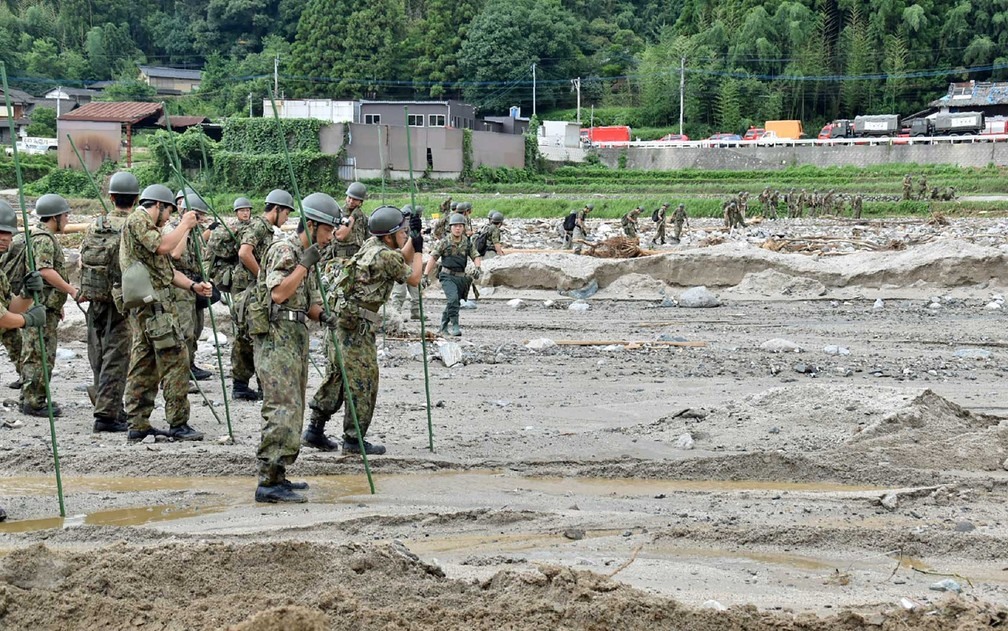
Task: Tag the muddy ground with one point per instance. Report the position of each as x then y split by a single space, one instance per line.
842 485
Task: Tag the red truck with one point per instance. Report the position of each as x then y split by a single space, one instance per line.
601 136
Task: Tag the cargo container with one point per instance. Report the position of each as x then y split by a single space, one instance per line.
996 125
876 125
602 135
948 124
786 129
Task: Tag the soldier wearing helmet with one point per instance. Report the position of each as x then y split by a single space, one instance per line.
108 331
401 290
159 355
285 297
493 235
581 227
629 223
454 251
53 213
388 257
350 236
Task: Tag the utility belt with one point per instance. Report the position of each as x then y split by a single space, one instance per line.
452 272
280 314
345 250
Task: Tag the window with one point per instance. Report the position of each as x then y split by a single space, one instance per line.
415 120
372 119
436 120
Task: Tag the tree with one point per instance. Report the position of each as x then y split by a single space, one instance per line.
43 122
439 35
128 90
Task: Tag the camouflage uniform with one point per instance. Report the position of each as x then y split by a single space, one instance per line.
907 186
48 255
628 223
494 239
190 317
857 205
659 238
109 337
365 285
358 234
158 354
678 219
454 256
440 227
258 234
580 230
281 359
922 187
11 340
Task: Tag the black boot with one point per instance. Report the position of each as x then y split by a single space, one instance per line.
105 424
315 436
199 373
278 493
241 391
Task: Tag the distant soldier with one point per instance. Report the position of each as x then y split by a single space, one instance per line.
922 186
493 230
907 186
454 252
743 204
815 203
764 198
191 310
827 202
679 217
935 193
581 227
949 194
348 240
629 223
856 205
465 209
440 227
658 216
773 202
803 202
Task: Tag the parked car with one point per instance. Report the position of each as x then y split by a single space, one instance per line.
674 138
754 133
723 139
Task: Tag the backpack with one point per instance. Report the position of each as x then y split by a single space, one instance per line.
655 215
14 262
222 260
99 257
482 241
570 221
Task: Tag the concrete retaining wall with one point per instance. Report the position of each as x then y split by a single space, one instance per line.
753 157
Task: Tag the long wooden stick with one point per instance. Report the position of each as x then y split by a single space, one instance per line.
628 343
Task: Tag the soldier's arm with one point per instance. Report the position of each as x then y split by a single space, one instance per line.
53 279
431 262
19 304
247 257
170 241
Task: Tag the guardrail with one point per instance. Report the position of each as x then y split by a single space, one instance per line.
805 142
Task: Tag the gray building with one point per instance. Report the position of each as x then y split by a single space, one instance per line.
452 114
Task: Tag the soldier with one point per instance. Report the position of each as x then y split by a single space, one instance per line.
803 202
827 202
764 198
629 223
455 250
922 186
158 355
255 240
815 201
286 295
16 312
349 238
222 249
743 204
109 335
440 227
493 230
390 256
679 217
856 206
949 194
53 213
773 201
401 290
191 310
907 186
466 209
447 206
728 210
581 227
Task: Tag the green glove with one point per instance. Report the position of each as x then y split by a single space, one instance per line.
35 317
311 256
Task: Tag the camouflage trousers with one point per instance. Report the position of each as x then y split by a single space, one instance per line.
579 234
190 319
659 237
242 353
678 229
360 358
109 341
455 288
281 361
399 293
33 392
150 366
11 340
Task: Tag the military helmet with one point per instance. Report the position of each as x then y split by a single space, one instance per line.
590 206
242 202
408 210
496 217
192 201
123 183
8 218
323 202
356 190
456 219
183 193
682 205
664 205
51 205
386 220
321 215
464 207
280 198
454 205
157 193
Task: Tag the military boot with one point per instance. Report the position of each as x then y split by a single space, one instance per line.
16 384
241 391
278 493
106 424
314 435
200 374
453 328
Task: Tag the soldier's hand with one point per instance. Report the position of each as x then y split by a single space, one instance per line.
204 289
417 243
190 219
311 256
425 281
32 283
476 273
330 319
35 317
415 223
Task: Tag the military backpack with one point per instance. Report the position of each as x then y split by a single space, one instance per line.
99 257
570 221
482 241
14 262
655 215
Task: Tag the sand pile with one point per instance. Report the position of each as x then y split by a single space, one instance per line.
773 283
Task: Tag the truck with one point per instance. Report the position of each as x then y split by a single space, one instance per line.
786 129
948 124
996 125
876 125
840 128
600 136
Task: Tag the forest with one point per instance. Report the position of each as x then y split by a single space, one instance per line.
744 61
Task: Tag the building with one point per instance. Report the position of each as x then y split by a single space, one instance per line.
97 131
513 123
988 97
171 81
77 96
321 109
21 103
453 114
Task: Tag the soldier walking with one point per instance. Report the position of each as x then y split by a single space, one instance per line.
109 335
287 295
679 217
922 186
390 256
581 227
658 216
907 186
158 355
629 223
454 251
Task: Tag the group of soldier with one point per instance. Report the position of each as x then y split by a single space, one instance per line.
936 192
630 223
147 279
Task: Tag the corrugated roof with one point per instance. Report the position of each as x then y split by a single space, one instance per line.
18 96
171 73
131 112
974 94
182 121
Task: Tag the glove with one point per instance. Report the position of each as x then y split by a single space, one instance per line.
476 273
424 281
214 225
311 256
415 225
330 320
32 284
417 243
35 317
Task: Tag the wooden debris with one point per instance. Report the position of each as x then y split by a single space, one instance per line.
628 343
615 248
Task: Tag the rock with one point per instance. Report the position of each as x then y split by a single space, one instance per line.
502 403
890 501
575 534
579 305
805 369
451 353
993 306
698 298
467 304
780 345
971 353
667 302
415 351
964 526
63 354
540 343
685 442
713 604
908 604
668 337
1004 465
833 349
946 585
587 291
934 306
516 303
550 304
879 304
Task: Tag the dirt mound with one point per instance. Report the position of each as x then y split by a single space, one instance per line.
296 585
773 283
635 287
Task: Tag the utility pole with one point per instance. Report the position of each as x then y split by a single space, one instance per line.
250 105
577 86
276 74
533 90
682 91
